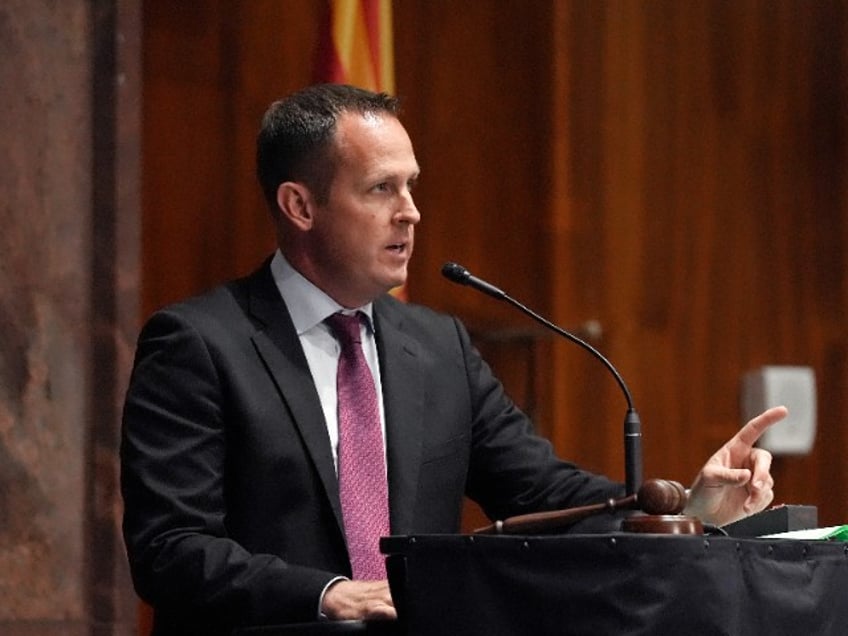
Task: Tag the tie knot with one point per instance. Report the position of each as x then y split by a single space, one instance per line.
345 327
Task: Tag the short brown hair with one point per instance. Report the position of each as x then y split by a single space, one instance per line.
295 139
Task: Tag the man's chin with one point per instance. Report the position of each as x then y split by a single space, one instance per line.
391 279
396 279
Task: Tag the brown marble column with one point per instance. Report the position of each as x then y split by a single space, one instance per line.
69 271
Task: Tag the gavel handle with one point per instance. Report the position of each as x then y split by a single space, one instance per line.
546 521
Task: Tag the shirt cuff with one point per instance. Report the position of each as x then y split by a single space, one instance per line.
321 615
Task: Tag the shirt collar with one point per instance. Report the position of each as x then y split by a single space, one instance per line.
307 304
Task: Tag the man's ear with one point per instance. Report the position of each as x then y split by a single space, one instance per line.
295 203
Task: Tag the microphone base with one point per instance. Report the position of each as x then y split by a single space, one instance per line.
663 524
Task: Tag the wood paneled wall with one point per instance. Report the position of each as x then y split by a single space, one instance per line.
674 171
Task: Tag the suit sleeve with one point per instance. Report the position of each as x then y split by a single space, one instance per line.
173 457
512 469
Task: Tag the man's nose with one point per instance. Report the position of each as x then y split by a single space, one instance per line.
409 212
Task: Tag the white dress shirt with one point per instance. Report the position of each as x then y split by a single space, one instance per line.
308 307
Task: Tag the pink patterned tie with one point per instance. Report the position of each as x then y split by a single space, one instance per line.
362 465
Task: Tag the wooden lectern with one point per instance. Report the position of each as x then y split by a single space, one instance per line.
622 584
618 583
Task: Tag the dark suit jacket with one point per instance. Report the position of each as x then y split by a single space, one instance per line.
232 512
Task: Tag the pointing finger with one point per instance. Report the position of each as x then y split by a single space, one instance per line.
751 432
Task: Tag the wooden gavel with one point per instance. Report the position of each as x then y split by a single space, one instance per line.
660 498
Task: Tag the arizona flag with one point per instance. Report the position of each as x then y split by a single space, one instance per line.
357 45
357 48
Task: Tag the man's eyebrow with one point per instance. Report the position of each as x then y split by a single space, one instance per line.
388 175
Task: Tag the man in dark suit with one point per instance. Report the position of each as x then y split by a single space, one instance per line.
233 442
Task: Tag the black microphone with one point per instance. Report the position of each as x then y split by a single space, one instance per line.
632 424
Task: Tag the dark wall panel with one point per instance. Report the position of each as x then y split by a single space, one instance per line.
673 171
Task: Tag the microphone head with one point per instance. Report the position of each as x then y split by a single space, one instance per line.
456 273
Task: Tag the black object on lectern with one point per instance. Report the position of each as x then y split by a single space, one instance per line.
622 584
784 518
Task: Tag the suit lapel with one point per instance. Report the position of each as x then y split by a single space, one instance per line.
279 347
403 401
277 344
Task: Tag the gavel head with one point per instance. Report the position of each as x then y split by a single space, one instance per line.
661 497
